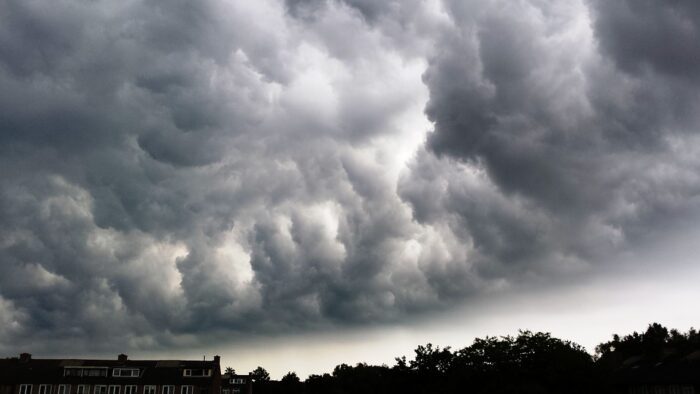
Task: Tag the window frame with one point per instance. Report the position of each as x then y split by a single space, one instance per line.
205 373
130 389
97 387
122 370
65 387
114 389
28 388
147 387
169 388
186 389
87 372
79 371
44 389
82 389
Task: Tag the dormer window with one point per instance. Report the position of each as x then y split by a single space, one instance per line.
192 373
97 371
70 371
85 371
125 372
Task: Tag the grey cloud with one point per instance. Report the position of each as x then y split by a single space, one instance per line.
177 172
567 136
169 173
639 35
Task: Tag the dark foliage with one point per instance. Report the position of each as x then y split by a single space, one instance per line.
527 363
260 374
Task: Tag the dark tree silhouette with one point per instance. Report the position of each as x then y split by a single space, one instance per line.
656 341
290 378
260 374
526 363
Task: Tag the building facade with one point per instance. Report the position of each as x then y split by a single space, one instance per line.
25 375
236 384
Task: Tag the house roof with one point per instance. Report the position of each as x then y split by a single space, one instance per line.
16 370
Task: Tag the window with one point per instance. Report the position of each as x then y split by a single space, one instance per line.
25 389
126 372
82 389
87 371
64 389
688 390
100 390
168 390
72 371
236 391
226 391
186 390
130 389
96 371
113 389
237 381
44 389
196 372
149 389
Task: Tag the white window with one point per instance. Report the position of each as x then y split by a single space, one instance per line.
44 389
168 390
113 389
126 372
130 389
149 389
100 390
186 390
63 389
25 389
82 389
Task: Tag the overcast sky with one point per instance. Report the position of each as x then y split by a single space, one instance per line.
343 178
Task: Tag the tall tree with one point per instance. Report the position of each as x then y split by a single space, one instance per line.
260 374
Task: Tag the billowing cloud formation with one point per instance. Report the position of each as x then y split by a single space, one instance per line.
588 144
181 169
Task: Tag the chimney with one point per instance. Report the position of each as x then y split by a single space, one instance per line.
217 360
25 357
122 358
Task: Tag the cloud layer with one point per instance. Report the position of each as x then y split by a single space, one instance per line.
182 170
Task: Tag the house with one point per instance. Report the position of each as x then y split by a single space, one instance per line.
236 384
27 375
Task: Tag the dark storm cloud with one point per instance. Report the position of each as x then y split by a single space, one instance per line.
642 35
178 169
578 135
172 169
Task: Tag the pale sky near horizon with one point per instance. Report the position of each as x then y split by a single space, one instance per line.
300 183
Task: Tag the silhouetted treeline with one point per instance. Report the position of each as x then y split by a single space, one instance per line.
527 363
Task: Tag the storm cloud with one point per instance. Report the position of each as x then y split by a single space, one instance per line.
175 170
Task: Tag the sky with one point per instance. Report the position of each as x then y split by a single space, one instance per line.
300 183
